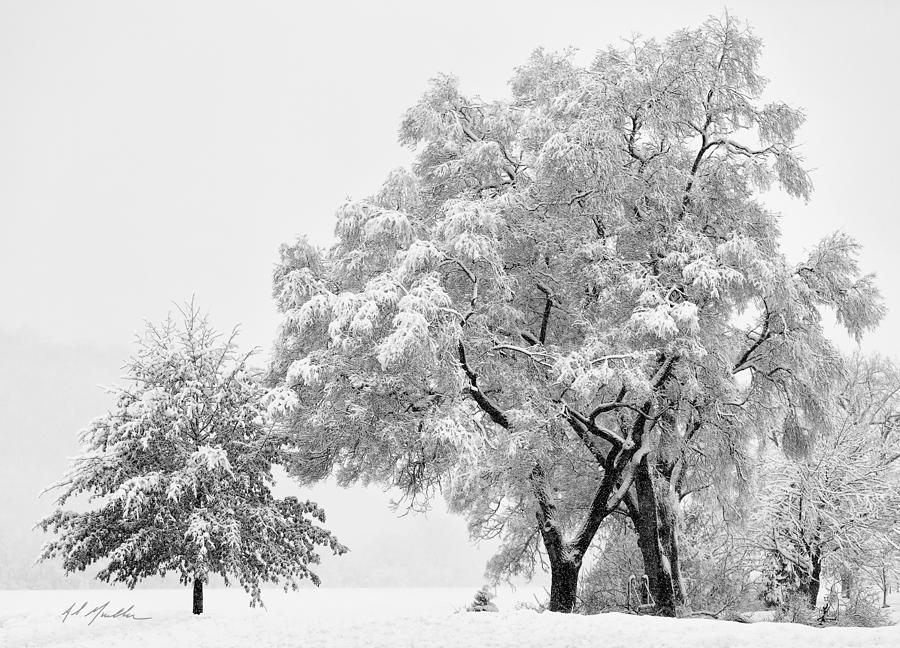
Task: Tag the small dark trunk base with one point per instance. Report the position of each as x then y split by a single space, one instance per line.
198 596
814 581
810 581
563 586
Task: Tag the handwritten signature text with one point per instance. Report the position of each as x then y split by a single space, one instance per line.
100 612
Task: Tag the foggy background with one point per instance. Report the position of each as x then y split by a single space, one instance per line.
154 151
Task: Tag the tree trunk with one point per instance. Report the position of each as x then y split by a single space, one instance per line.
565 557
668 535
657 565
563 585
815 577
198 595
846 582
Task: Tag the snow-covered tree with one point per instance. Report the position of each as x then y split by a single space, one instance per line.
177 476
573 294
837 503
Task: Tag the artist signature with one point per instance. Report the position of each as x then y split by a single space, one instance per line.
100 612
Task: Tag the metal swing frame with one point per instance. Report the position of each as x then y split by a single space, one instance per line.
642 603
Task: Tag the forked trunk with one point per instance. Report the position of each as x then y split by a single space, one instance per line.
565 557
563 585
198 595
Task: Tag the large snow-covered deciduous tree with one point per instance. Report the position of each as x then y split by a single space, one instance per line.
836 505
177 476
572 293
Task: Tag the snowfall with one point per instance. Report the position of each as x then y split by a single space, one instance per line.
395 618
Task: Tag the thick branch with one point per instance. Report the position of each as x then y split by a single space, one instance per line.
586 438
600 506
766 333
665 370
607 435
485 403
545 320
618 477
546 516
533 355
607 407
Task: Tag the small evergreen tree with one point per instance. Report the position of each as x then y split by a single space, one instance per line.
182 466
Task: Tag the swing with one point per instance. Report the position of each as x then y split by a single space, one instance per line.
642 603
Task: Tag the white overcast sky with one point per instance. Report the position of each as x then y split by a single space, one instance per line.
150 151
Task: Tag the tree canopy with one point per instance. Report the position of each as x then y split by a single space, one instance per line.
178 474
836 502
575 302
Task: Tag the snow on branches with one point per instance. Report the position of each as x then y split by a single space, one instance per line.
178 474
836 504
579 278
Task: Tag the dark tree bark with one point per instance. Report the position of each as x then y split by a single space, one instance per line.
815 576
619 460
657 564
654 520
668 532
810 581
563 585
198 595
564 557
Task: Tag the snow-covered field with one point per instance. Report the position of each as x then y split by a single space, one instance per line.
395 618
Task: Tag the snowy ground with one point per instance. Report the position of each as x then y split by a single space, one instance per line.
395 618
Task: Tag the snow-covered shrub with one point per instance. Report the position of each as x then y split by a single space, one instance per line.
482 602
777 585
794 608
862 610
